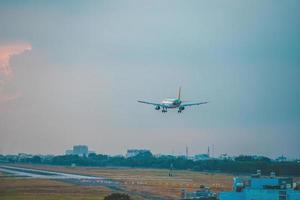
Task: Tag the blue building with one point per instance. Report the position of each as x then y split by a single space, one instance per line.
262 188
203 193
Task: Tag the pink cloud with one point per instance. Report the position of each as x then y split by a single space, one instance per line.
7 51
6 73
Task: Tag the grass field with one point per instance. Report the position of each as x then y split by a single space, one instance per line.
41 189
133 180
153 181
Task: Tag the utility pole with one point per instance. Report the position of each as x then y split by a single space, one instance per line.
208 151
187 152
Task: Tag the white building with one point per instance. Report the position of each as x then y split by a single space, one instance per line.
201 157
135 152
80 150
262 188
281 159
225 156
69 152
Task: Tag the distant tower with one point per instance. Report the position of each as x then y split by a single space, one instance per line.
187 152
208 151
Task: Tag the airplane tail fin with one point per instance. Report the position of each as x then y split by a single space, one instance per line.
179 93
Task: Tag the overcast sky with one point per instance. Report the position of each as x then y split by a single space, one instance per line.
71 72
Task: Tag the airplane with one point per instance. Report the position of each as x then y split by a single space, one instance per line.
172 103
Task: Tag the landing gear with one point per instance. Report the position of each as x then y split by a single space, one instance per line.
164 110
180 109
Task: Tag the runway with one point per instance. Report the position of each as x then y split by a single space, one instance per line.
34 173
77 179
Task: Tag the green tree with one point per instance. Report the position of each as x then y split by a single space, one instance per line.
36 159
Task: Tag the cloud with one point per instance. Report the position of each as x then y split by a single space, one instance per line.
6 52
6 73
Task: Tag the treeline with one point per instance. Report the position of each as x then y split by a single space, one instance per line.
240 165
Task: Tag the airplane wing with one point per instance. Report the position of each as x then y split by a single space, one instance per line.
193 104
150 103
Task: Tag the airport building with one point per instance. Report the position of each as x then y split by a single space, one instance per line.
262 188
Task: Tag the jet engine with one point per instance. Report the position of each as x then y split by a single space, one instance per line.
157 107
181 108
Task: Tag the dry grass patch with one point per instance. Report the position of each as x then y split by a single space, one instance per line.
42 189
153 181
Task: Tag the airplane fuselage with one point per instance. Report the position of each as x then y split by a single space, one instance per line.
171 103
